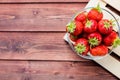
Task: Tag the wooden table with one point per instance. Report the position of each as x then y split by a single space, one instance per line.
32 45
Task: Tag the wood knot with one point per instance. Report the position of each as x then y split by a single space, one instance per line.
35 13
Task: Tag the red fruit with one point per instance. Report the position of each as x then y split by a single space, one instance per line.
75 28
94 39
73 38
112 39
81 17
90 26
95 13
105 26
81 46
100 50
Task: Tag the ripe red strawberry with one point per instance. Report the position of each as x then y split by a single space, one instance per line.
94 39
112 39
75 28
73 38
95 13
100 50
90 26
81 17
105 26
81 46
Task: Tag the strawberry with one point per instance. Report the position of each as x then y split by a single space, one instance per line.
75 28
94 39
73 38
112 39
105 26
81 17
90 26
81 46
95 13
100 50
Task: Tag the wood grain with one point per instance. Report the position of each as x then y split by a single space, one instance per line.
35 46
36 70
37 17
34 30
33 1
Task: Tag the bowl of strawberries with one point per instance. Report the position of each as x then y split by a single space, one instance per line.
93 33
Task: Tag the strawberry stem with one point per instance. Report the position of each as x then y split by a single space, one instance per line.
93 42
88 23
80 48
98 8
71 27
107 24
116 42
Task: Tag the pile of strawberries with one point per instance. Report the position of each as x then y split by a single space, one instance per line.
91 33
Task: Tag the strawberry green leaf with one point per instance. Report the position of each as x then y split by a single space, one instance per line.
116 42
99 8
71 27
107 25
88 23
80 48
93 42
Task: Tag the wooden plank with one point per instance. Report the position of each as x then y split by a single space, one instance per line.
35 46
32 1
22 76
36 17
36 70
116 51
111 64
